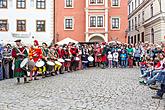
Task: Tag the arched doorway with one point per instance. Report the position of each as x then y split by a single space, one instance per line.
96 38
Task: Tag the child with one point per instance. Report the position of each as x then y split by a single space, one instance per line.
110 57
123 56
115 58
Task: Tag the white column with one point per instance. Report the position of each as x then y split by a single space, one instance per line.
87 22
106 20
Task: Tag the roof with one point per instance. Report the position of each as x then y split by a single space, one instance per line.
66 41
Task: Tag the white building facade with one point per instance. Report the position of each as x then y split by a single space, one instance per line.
26 20
146 21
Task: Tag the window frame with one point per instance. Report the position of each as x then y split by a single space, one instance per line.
96 21
96 3
40 1
6 1
115 17
6 25
68 17
38 24
65 6
17 25
115 5
24 1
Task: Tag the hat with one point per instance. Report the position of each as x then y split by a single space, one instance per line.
18 40
36 42
103 43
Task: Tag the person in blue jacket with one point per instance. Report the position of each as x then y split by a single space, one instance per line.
123 58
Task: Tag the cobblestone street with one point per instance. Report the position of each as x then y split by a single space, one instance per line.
93 89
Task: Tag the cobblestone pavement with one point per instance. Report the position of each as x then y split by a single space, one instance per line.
93 89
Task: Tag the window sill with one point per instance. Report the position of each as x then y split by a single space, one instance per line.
68 7
68 29
115 29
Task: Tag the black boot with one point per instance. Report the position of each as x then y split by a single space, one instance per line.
25 80
18 80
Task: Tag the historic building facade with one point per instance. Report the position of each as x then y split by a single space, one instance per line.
91 20
26 20
146 21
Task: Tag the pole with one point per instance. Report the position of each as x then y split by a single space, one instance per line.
54 12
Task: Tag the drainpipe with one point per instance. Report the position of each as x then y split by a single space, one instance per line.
54 12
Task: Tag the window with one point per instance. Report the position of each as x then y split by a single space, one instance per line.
151 10
40 25
92 1
152 36
68 23
129 9
68 3
132 40
100 21
115 23
115 2
135 39
139 20
129 39
138 38
142 36
3 25
96 1
132 6
143 16
129 25
96 21
3 3
40 4
99 1
93 21
135 3
21 4
21 25
138 2
132 24
135 22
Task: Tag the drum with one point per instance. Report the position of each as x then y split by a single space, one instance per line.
50 63
24 62
68 60
90 58
77 59
50 66
61 60
40 64
27 65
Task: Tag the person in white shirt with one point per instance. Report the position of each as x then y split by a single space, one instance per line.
110 58
115 58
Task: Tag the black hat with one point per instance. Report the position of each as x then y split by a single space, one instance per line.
18 40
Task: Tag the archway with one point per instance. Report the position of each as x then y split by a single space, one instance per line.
96 38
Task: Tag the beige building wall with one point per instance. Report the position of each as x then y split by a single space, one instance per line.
150 22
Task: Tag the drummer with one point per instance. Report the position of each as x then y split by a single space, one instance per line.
53 56
67 58
35 54
45 51
74 52
60 53
19 53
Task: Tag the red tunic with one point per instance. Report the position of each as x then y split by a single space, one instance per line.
35 54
